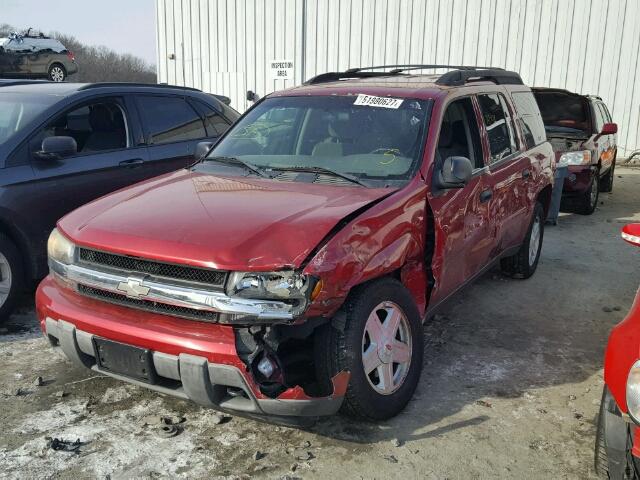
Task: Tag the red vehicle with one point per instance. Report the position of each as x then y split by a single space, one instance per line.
617 452
290 271
583 136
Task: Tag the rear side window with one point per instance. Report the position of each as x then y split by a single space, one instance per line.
497 121
529 118
169 119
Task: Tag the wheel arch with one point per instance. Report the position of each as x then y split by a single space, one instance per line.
21 241
544 197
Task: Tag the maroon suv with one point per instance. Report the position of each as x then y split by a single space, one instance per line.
290 271
583 137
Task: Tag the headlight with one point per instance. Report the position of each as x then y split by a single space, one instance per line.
633 391
59 248
582 157
285 285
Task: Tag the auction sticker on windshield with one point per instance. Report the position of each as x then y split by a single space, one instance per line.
383 102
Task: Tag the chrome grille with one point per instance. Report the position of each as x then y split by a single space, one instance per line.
156 307
150 267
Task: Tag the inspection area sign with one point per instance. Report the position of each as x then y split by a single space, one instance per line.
281 69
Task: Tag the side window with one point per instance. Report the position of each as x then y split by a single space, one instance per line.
529 119
215 124
499 129
607 115
459 135
96 127
169 119
600 119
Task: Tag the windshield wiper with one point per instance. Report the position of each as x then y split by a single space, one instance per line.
322 170
236 161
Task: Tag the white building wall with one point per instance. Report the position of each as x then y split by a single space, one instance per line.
587 46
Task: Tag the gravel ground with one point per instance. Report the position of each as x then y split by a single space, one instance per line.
510 389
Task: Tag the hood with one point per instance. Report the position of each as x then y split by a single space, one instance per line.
228 223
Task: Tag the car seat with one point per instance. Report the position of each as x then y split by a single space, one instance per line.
105 134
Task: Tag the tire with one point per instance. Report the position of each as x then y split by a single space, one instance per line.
601 457
368 308
588 202
523 264
606 182
11 276
57 73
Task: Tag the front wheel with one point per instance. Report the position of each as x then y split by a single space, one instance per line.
606 183
10 276
588 202
381 344
524 263
57 73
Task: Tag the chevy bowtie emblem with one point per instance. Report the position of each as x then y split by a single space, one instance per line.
133 288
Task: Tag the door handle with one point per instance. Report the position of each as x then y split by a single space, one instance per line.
134 162
526 173
485 196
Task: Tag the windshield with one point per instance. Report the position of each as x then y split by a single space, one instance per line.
17 110
352 136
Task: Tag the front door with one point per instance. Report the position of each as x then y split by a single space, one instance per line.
105 161
464 235
509 173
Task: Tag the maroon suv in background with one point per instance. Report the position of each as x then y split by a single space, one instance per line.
583 137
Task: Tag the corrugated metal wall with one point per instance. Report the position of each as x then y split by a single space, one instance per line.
587 46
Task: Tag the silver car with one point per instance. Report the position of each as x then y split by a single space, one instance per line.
25 56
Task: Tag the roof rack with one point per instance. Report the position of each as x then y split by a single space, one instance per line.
89 86
12 82
458 74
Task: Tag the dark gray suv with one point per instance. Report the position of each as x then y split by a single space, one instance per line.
65 144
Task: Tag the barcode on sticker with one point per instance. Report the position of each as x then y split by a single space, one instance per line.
383 102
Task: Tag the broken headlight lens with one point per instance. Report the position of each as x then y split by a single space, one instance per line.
633 391
60 248
582 157
285 285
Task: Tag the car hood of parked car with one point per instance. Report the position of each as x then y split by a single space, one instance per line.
230 223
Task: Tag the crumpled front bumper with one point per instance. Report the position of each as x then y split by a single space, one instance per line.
199 365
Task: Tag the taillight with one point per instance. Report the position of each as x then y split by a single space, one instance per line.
71 56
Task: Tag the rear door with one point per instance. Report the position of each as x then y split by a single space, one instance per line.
509 172
172 128
461 214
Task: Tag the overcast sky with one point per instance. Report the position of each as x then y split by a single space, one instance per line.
126 26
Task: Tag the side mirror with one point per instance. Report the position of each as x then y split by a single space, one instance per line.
455 173
609 129
55 148
202 149
631 233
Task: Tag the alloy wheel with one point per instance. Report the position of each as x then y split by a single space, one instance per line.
534 240
57 74
386 348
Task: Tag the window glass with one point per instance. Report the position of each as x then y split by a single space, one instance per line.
600 118
215 124
529 118
96 127
607 115
169 119
18 109
496 120
459 135
346 134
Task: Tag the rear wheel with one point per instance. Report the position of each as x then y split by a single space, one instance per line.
10 276
57 73
606 182
588 202
381 345
524 263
